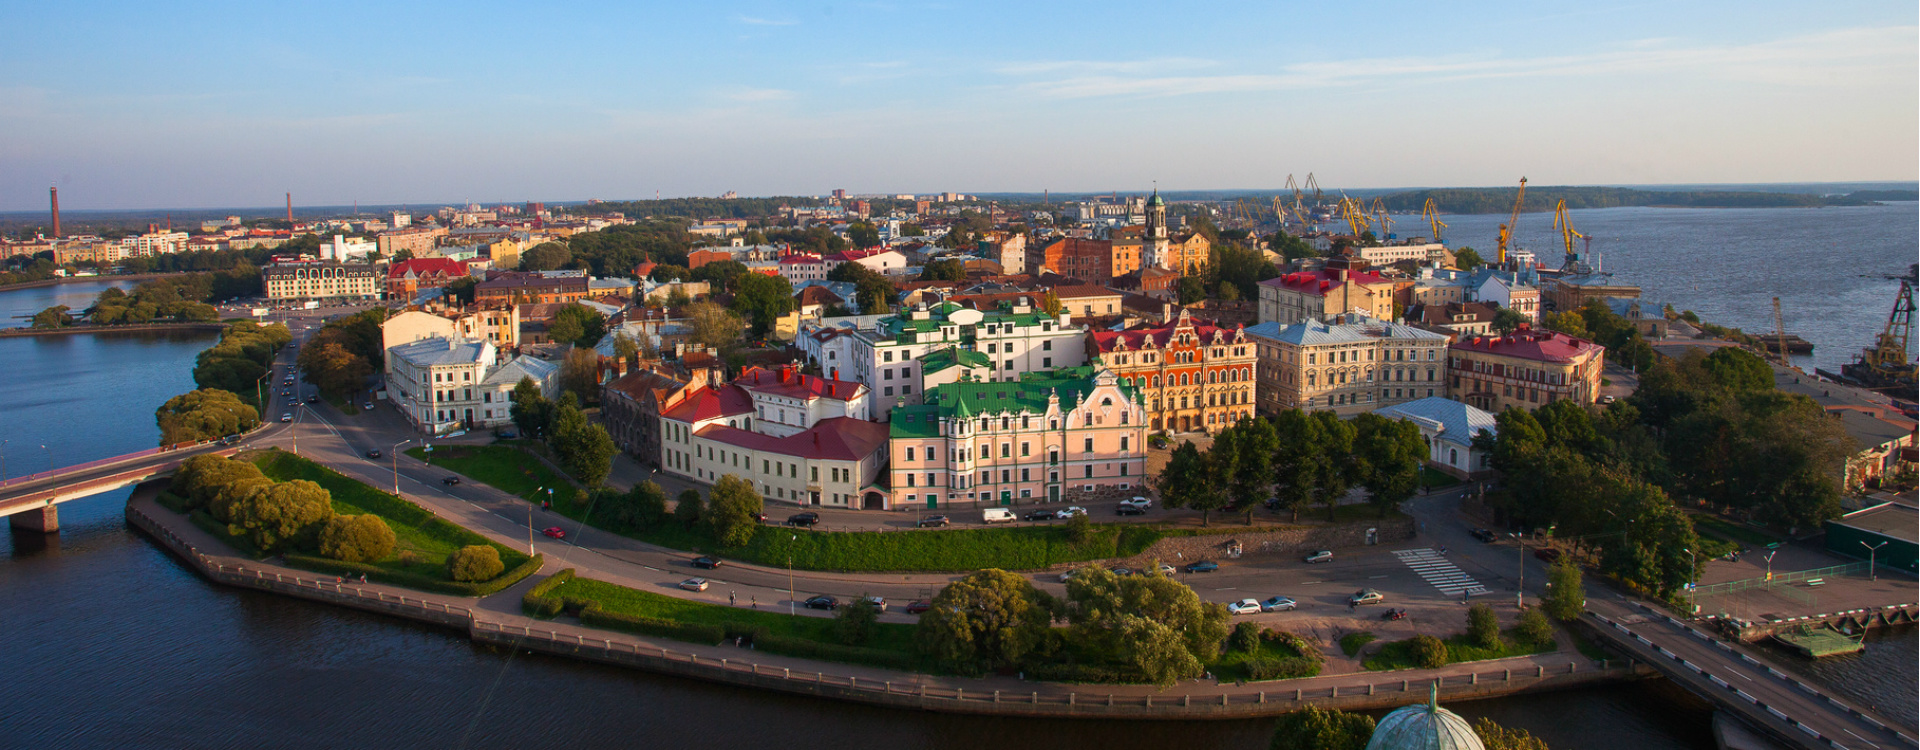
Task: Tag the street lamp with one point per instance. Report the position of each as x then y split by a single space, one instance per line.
1693 572
791 607
1873 551
395 455
1770 566
49 457
1520 592
530 524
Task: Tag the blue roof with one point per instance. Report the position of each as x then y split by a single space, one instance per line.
1362 329
1450 420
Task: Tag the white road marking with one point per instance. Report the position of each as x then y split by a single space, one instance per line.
1440 572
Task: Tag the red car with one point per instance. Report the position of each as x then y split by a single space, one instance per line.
555 532
918 605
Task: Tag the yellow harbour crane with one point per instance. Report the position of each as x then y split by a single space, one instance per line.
1564 225
1506 230
1431 213
1382 220
1355 214
1319 198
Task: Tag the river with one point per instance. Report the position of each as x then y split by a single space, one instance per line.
114 644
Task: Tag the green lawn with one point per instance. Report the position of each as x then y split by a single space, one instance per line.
504 467
1351 643
1280 661
1738 532
1433 479
1399 654
423 541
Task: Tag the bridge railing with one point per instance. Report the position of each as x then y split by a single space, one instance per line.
82 467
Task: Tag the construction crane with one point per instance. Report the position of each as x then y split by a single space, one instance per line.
1279 211
1431 213
1564 225
1506 230
1293 187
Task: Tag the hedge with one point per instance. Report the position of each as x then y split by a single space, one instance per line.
416 581
593 615
1270 668
538 601
211 525
1085 673
810 649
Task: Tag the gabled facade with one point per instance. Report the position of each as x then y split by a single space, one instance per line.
817 453
1056 437
1343 286
1530 367
1192 375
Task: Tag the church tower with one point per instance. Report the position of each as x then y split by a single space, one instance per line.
1157 245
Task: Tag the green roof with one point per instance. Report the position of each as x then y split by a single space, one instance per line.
966 398
940 360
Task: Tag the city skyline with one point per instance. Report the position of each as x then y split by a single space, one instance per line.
491 103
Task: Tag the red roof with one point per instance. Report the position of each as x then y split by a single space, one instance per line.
423 267
836 439
1531 343
791 383
1319 282
800 258
819 295
1142 338
707 403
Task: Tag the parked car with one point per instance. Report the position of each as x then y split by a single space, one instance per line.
997 515
450 481
1039 515
1278 604
1325 555
822 602
930 521
288 417
1484 535
1366 596
694 584
879 603
1066 575
313 399
1138 502
1244 607
1203 566
1071 511
808 518
1166 570
918 606
374 454
707 562
1607 399
1129 510
1119 571
1548 554
368 406
555 532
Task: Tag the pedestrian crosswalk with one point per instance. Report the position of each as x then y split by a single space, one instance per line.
1434 568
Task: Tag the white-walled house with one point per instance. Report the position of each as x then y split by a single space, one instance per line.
1449 428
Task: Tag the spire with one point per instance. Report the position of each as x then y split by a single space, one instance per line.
1433 696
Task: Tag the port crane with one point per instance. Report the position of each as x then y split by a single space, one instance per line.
1506 230
1382 220
1563 224
1431 213
1355 214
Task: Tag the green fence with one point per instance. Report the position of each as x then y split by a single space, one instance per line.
1779 579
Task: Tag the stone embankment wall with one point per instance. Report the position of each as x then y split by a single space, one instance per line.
140 328
1268 541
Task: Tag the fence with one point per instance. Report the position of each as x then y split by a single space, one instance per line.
1796 576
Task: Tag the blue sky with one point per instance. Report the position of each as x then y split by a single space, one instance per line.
131 105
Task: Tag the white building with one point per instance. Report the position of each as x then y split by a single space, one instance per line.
1418 252
1014 340
1449 428
496 392
811 447
438 382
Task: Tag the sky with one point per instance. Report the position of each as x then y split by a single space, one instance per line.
128 105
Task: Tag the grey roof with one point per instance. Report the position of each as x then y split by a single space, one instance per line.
1634 307
1889 520
441 351
1363 329
522 366
1453 421
1424 726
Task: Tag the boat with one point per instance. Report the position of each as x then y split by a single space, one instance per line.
1818 642
1794 344
1884 367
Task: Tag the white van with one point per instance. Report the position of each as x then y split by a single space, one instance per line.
997 515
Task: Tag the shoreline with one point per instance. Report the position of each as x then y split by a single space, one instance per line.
495 620
11 333
58 280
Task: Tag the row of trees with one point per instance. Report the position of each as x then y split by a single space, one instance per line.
340 356
583 448
226 373
1314 728
1297 459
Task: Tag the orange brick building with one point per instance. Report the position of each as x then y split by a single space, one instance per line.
1092 261
1196 376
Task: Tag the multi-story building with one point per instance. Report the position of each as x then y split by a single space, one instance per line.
880 261
1462 318
1344 285
155 243
499 326
1449 428
800 267
1394 252
1568 293
1061 436
1192 375
517 288
1015 339
1530 367
418 240
406 278
1091 261
1009 249
797 438
436 382
324 280
496 392
1350 365
630 408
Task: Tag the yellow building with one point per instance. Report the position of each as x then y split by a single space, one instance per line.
321 281
1530 367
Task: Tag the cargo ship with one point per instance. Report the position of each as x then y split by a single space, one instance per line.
1885 367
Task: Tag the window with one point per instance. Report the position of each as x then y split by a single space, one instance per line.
909 453
815 473
1006 450
930 481
1046 345
1026 475
1089 468
887 356
909 480
1123 443
889 390
1025 450
1088 445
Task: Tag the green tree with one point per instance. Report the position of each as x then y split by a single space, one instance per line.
1334 467
1242 461
856 622
986 620
1534 626
1388 454
282 515
642 507
1079 529
1154 624
1483 627
585 449
714 326
475 562
1315 728
1736 369
721 274
1228 292
944 270
1507 320
762 300
204 414
356 539
1290 248
686 508
1496 737
1429 652
1192 289
333 368
1050 304
1467 259
580 374
863 235
1189 481
202 478
546 256
733 511
1569 323
577 324
1566 595
53 317
1297 460
532 412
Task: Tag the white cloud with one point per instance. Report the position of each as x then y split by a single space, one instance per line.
753 21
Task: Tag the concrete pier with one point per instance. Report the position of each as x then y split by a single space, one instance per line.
45 519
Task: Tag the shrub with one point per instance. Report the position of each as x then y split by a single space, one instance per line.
1314 728
417 580
475 562
1534 626
686 509
220 506
1079 529
1429 652
1483 627
854 622
1084 673
361 538
407 557
593 615
1278 668
540 601
1566 596
1245 637
287 514
1351 643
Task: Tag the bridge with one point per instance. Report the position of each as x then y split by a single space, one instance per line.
29 502
1763 696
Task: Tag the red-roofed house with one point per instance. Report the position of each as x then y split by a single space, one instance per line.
1343 286
1196 376
884 262
1530 367
797 438
800 267
406 278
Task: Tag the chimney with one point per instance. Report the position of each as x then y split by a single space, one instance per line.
54 192
289 210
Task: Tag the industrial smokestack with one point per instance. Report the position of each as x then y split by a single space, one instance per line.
55 192
289 210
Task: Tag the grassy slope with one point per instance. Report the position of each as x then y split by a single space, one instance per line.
1399 654
893 637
